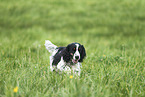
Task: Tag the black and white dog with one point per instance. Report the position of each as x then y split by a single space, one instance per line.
66 59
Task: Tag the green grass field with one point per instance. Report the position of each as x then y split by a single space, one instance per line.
112 31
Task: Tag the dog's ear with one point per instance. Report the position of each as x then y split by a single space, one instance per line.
66 54
67 48
82 53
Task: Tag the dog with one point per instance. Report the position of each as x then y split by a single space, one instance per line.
67 59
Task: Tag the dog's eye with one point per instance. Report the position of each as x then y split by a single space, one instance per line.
79 49
74 49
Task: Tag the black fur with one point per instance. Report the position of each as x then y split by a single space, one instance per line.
58 55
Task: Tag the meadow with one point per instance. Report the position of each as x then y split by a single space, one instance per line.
112 31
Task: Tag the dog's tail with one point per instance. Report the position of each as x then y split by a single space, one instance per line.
50 46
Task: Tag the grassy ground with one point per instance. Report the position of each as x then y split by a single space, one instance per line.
113 33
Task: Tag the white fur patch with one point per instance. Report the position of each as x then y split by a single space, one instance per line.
77 52
50 46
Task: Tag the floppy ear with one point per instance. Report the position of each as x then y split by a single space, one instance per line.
67 48
82 53
66 55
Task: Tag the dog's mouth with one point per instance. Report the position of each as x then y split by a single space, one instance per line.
74 61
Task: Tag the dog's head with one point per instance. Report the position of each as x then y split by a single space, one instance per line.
76 51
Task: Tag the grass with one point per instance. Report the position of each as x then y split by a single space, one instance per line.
113 33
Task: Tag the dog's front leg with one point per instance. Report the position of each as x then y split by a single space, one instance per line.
76 69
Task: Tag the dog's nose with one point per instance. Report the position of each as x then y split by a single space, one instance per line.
77 57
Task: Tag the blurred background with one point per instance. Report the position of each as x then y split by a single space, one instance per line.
98 24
